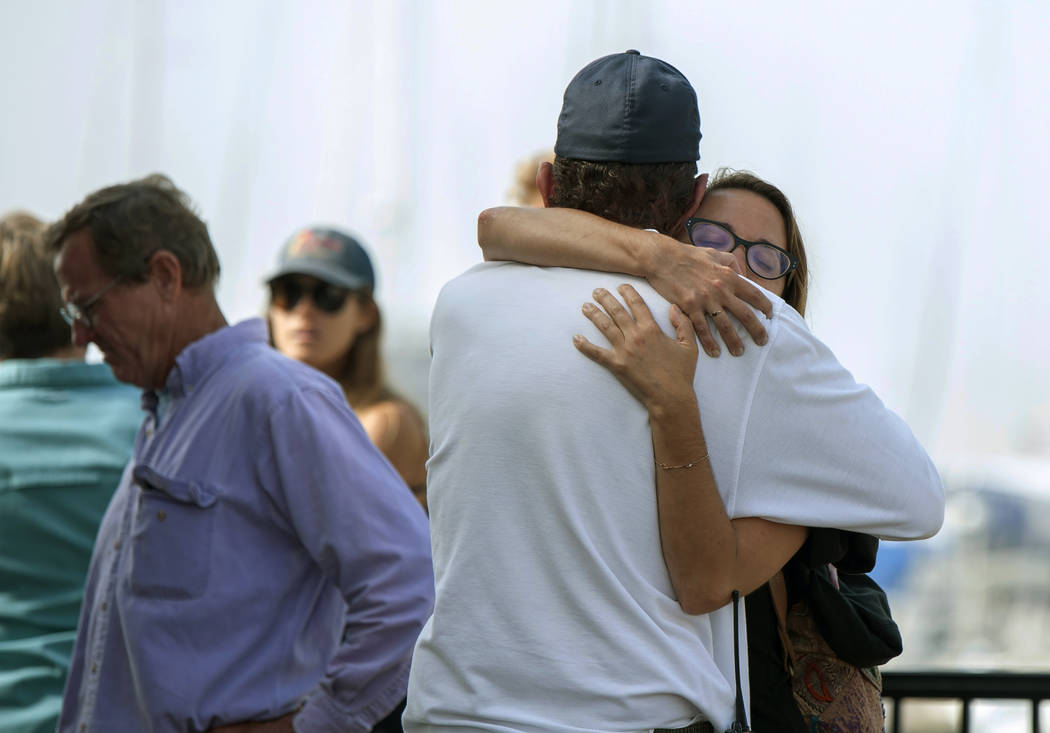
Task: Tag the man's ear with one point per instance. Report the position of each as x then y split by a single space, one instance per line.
545 182
166 274
699 190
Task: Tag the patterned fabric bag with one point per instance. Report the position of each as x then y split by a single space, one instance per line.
833 695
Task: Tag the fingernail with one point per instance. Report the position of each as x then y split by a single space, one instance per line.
598 291
737 351
578 338
761 340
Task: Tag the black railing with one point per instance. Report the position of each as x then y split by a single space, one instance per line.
966 687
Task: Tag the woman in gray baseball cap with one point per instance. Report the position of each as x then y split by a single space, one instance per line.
322 312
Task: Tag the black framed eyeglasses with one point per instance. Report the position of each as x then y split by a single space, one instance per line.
766 260
286 292
72 313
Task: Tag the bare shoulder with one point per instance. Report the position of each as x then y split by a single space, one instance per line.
388 418
398 430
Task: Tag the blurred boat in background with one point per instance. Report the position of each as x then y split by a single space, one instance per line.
977 595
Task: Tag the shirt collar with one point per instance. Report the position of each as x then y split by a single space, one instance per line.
195 362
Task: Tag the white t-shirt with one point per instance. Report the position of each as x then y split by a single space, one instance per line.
554 609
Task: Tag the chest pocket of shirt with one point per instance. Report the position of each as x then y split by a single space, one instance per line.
171 536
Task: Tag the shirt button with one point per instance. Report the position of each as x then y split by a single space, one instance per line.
83 726
94 668
116 545
104 605
161 516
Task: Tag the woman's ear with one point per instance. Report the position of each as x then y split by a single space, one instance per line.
369 316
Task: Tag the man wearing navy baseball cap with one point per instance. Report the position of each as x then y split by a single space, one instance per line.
554 610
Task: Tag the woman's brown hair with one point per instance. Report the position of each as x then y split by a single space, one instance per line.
796 288
363 378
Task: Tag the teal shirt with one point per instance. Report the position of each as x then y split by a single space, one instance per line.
66 432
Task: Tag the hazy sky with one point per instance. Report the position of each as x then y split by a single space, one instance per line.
912 137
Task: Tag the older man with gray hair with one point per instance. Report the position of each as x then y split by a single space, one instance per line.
262 567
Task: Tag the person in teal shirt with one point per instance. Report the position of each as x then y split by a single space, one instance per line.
67 430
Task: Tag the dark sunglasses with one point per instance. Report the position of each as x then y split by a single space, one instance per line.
766 260
285 293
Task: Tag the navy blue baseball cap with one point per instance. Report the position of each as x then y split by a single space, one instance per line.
327 254
629 108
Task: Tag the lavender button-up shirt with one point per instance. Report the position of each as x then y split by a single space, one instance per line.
259 555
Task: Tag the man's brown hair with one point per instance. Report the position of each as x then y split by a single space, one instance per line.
644 195
30 325
130 221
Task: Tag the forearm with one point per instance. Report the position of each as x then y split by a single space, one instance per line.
368 674
369 538
386 607
561 237
697 538
707 554
698 279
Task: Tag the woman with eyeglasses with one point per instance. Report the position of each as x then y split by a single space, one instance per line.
751 220
322 312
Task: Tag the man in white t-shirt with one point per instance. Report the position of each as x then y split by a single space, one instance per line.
554 610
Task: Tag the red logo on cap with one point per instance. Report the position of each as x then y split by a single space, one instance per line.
309 242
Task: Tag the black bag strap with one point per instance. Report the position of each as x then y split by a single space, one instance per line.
740 724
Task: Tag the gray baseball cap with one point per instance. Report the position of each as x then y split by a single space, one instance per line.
629 108
327 254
